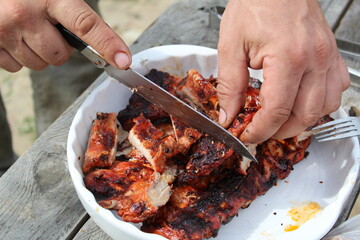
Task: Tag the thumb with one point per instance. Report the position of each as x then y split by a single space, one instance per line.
233 79
80 19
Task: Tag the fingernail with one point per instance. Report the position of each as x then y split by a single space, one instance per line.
222 116
122 60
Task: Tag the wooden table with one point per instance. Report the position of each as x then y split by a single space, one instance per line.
37 198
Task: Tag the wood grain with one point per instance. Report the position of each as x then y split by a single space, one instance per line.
349 26
91 231
333 10
37 199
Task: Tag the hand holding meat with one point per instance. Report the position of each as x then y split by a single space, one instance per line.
304 75
29 38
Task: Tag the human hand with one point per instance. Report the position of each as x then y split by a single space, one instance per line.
304 75
29 38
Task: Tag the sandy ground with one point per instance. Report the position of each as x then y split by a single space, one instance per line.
128 18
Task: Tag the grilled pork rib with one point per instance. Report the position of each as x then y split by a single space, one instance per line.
133 188
199 93
178 182
152 143
102 142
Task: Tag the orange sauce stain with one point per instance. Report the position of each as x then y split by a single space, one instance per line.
301 214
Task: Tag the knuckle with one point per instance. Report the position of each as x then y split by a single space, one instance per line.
104 42
228 91
279 115
322 49
84 23
223 90
309 119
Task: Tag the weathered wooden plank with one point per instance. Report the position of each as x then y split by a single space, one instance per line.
333 10
185 22
37 199
91 231
349 25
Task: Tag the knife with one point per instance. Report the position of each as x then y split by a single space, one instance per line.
158 96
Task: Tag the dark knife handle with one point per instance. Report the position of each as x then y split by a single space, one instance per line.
82 47
71 38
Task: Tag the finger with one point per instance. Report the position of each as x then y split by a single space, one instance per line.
232 84
233 74
8 63
87 25
21 52
308 105
277 97
48 43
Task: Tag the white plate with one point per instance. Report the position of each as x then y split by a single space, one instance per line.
335 164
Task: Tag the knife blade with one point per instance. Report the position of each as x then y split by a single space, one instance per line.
159 96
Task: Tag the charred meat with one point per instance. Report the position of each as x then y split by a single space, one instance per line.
178 182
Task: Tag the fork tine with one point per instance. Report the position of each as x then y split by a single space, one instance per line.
334 127
335 136
332 123
337 129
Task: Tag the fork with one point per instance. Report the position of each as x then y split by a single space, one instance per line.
337 129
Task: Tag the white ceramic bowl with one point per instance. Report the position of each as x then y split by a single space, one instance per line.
326 176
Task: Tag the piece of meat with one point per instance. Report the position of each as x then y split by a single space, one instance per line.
185 136
180 183
195 213
118 179
152 143
133 188
199 93
139 105
164 80
102 142
207 156
143 197
252 105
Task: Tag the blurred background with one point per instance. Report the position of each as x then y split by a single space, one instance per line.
129 18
